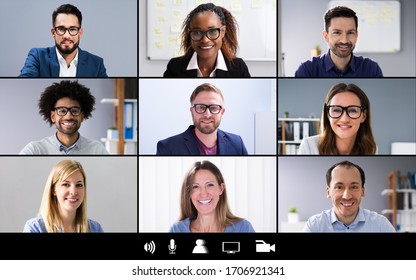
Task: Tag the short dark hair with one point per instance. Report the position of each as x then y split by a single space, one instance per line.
66 88
347 164
67 9
339 11
205 87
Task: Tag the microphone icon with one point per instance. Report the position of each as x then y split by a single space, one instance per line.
172 246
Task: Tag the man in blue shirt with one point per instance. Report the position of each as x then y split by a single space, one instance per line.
345 187
341 33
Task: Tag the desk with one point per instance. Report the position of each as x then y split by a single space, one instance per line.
292 227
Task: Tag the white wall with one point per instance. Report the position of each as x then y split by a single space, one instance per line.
164 108
111 190
250 184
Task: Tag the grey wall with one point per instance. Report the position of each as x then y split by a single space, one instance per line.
111 190
110 31
302 25
21 122
155 68
393 102
301 182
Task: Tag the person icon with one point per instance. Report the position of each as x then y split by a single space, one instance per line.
200 247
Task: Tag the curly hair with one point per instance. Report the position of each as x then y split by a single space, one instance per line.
66 88
229 44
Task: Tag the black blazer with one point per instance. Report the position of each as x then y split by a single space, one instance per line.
177 69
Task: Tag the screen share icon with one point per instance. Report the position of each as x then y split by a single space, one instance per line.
230 247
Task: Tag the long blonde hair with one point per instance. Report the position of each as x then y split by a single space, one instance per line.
49 210
364 142
223 213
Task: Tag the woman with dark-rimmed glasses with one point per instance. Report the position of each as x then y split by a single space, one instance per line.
345 124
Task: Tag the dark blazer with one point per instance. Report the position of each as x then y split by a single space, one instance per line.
177 69
187 144
43 62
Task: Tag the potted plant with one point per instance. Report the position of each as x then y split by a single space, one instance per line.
286 113
316 51
112 132
293 215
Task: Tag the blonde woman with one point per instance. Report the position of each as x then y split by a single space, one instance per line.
204 206
64 202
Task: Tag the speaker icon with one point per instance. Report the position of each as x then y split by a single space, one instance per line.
150 247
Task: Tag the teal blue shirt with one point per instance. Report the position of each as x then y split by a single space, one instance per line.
366 221
241 226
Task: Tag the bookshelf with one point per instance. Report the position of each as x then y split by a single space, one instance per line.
401 201
121 145
291 131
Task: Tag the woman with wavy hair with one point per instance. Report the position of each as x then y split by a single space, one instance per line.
204 206
64 202
346 124
209 42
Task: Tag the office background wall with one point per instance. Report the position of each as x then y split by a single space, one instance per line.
250 184
164 108
393 112
111 190
302 30
21 122
156 68
110 31
302 183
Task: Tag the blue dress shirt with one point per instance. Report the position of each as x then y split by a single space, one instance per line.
185 226
322 66
366 221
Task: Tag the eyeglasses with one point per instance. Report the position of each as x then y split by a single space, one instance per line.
62 111
201 108
335 111
73 30
212 34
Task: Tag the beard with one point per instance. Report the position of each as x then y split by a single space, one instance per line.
338 53
206 128
67 50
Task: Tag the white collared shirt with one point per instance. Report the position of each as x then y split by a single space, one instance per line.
193 64
64 70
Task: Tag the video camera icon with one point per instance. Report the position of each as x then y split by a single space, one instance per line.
263 247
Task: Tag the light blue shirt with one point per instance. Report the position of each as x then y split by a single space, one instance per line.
37 225
52 146
366 221
185 226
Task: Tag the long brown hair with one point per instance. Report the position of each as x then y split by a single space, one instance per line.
364 142
229 42
223 213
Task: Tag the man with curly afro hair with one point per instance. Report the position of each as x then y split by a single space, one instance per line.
65 104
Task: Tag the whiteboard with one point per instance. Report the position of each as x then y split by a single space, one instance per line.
256 20
378 25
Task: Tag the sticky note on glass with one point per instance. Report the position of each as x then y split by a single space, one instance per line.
174 40
255 4
177 14
159 44
160 4
236 6
175 28
158 31
177 2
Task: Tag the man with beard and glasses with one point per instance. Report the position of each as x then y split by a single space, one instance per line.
204 137
341 33
66 59
65 104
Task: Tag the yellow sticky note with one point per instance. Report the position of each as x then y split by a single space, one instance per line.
158 31
160 4
159 44
175 28
255 4
174 40
236 6
177 2
177 14
161 19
